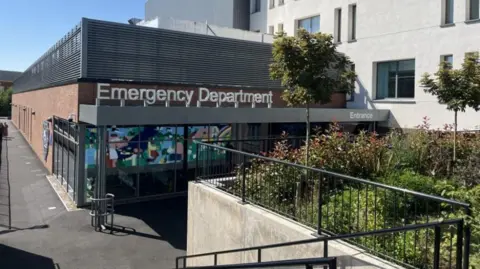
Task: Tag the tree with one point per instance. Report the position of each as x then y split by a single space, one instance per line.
458 89
311 70
5 101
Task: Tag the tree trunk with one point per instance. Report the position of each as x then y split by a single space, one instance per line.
307 141
455 138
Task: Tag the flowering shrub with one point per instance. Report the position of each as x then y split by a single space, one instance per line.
420 160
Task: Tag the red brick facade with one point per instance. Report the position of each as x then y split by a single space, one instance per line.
30 109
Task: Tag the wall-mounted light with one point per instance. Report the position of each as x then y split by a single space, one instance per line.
70 117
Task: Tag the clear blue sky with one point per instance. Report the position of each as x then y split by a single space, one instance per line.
28 28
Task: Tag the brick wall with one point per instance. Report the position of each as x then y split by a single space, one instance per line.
30 109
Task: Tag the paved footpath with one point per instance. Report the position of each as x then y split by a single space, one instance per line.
36 231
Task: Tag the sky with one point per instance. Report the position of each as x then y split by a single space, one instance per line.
28 28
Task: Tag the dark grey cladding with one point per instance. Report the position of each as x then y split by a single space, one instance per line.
59 65
135 53
99 50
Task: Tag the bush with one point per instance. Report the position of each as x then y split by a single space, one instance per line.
420 161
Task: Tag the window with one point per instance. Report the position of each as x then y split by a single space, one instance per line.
353 22
447 11
280 27
396 79
281 2
473 9
338 25
256 6
351 97
448 59
253 130
271 29
272 4
312 24
472 54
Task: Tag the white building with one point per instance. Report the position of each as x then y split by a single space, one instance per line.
392 43
224 13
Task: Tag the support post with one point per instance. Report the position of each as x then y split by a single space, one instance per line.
436 247
100 184
320 203
244 179
80 186
468 234
459 245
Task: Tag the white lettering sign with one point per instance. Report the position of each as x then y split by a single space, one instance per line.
151 96
361 116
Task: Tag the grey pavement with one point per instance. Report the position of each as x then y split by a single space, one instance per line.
37 232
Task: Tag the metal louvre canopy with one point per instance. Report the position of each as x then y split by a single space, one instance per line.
155 115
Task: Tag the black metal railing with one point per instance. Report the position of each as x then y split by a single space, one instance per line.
293 264
434 227
336 204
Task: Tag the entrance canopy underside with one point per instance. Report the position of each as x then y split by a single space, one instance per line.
154 115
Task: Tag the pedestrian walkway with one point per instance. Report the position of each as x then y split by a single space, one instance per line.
38 232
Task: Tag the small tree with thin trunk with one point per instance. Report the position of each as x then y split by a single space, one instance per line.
311 70
458 89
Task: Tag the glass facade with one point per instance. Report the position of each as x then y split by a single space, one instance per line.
143 161
64 140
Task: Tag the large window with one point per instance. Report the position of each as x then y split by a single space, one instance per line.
396 79
448 11
256 6
352 13
312 24
474 9
338 25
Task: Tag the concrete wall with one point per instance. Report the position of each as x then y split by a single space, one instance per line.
57 101
216 221
217 12
390 30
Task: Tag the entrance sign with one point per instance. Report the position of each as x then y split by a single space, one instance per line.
361 116
151 96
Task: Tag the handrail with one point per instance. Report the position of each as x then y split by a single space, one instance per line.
359 180
410 227
331 262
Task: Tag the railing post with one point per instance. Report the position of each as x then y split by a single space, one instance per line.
459 244
244 178
468 234
259 256
197 157
325 251
436 248
333 263
176 263
215 259
320 202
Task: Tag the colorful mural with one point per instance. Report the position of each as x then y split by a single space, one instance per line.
161 145
208 133
152 145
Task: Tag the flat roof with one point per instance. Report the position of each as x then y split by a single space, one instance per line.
157 115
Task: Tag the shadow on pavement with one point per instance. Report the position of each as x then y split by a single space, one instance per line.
13 258
13 229
168 218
